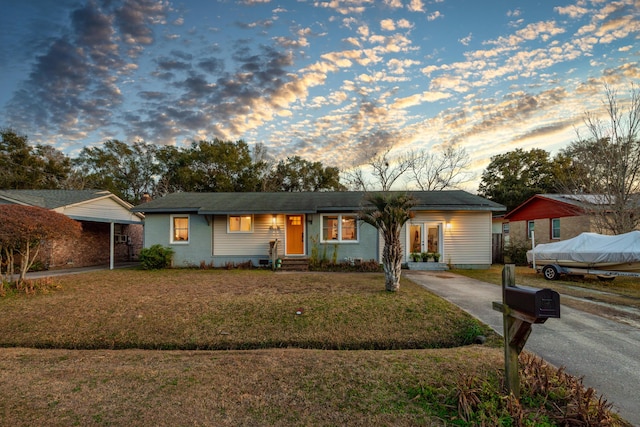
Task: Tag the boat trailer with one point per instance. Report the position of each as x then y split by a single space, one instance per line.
554 271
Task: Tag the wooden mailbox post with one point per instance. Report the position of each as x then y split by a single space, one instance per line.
521 307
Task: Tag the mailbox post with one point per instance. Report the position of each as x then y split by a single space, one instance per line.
521 307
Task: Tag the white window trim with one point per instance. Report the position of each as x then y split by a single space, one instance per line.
229 231
339 239
529 230
172 234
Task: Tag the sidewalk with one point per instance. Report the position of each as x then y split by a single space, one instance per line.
603 352
78 270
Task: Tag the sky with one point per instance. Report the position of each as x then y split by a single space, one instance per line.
333 81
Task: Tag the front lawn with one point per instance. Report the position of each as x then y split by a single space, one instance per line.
256 348
226 310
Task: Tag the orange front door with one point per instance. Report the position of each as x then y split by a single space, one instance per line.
295 234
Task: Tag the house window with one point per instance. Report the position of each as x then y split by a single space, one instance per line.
555 228
530 227
240 223
505 228
179 228
339 228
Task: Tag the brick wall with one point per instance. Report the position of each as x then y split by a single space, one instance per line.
570 226
92 247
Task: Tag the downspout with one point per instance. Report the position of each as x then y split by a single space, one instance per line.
111 244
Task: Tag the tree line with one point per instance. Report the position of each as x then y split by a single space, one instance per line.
131 170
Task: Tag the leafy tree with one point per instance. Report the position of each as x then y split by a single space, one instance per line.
125 170
388 212
209 166
513 177
25 167
22 231
297 174
606 164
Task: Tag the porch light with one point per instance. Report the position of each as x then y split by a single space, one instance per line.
448 226
274 223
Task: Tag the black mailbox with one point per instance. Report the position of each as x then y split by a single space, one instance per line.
540 304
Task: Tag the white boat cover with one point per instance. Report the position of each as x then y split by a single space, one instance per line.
590 249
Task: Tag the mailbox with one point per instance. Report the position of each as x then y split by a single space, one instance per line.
541 304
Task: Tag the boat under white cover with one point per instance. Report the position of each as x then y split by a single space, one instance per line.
591 250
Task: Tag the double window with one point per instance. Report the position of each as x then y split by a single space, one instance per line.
179 228
339 228
240 224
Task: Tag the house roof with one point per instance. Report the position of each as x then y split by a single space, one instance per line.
566 205
75 202
305 202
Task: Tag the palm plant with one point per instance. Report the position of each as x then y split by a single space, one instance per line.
388 212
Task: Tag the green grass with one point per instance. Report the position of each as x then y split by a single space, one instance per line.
228 348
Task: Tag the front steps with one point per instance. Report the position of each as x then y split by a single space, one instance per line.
295 264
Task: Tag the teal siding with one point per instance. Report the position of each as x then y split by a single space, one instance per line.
157 229
365 248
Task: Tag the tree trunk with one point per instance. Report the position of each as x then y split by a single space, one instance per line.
392 263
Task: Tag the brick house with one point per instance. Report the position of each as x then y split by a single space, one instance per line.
110 231
551 217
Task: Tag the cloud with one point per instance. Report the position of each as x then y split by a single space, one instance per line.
387 25
416 6
434 15
573 11
466 40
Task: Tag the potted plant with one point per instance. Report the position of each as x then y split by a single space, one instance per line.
415 256
436 257
426 256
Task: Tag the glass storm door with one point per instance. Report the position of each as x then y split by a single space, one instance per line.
425 237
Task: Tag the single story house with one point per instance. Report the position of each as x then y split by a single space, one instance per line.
110 231
231 228
551 217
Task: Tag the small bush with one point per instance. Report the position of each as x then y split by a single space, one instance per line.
156 257
516 252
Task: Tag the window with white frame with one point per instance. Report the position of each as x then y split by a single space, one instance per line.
339 228
179 228
530 227
240 224
555 228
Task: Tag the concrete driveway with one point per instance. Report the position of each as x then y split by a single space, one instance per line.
605 353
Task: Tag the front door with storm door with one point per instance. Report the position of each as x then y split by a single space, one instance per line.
295 235
425 237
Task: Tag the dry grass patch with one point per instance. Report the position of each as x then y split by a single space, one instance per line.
255 387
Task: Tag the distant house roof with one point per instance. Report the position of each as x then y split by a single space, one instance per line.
555 205
306 202
87 205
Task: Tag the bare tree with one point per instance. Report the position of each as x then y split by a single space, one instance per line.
385 171
608 164
439 170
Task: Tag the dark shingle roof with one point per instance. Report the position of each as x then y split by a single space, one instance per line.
305 202
51 199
